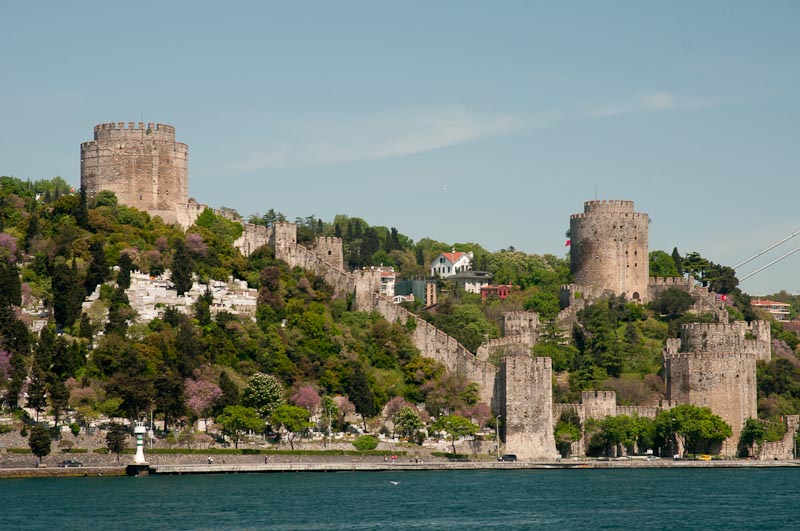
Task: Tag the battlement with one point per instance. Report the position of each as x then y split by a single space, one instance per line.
598 396
617 205
669 355
133 126
671 281
134 131
637 216
736 327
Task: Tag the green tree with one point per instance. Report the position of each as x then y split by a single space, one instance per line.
125 265
662 265
39 441
456 427
238 420
672 302
553 343
182 267
67 294
116 439
11 291
567 431
37 390
678 260
98 266
753 434
407 421
264 393
360 393
292 418
701 430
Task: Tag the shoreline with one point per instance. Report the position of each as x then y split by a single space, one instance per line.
341 466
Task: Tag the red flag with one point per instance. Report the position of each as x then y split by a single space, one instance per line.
568 243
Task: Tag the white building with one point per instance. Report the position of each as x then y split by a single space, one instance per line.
448 264
471 281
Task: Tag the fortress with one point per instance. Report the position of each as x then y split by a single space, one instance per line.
710 365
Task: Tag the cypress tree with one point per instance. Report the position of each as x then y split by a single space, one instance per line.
98 267
181 268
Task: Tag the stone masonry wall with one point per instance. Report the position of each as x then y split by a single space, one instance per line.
785 448
144 166
714 365
609 248
510 346
526 406
738 337
253 237
435 344
331 250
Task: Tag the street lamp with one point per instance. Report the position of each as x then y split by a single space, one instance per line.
497 434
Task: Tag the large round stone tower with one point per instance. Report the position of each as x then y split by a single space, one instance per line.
609 248
143 166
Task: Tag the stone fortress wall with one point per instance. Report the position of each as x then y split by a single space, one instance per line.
520 333
525 400
712 365
608 248
143 165
705 300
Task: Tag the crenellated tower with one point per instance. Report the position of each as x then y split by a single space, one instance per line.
609 248
525 397
714 365
143 165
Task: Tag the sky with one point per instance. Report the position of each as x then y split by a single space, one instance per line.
485 122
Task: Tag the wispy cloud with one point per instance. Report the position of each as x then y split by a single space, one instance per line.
393 134
650 102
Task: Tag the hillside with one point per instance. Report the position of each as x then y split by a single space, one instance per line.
56 249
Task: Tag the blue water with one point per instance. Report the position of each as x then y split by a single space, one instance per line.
677 499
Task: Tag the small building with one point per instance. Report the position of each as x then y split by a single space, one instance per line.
778 310
387 281
448 264
471 281
424 290
496 290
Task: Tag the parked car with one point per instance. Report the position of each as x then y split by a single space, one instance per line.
69 463
508 457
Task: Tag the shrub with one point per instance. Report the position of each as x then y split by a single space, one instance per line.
75 428
365 442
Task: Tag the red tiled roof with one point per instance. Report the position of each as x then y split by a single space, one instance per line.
453 257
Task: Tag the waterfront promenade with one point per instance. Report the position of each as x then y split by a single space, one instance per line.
344 465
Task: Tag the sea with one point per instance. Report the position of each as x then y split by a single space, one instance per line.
650 499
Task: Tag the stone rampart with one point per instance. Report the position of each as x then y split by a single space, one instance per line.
520 323
704 300
435 344
330 249
510 346
738 337
526 406
725 382
576 297
649 412
785 448
252 238
598 405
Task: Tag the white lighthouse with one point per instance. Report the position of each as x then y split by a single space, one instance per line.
139 430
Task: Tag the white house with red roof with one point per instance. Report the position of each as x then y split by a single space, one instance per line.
448 264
